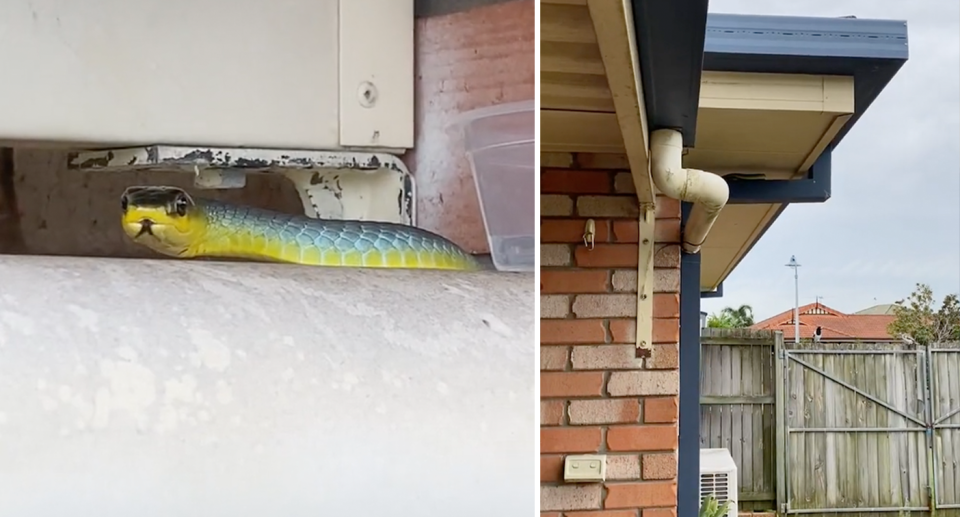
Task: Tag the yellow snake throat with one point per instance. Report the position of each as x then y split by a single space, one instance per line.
168 220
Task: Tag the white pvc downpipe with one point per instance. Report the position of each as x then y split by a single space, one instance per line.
707 191
158 388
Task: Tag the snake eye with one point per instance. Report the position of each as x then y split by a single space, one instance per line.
124 202
181 205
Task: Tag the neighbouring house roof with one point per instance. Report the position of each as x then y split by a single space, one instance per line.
883 308
834 324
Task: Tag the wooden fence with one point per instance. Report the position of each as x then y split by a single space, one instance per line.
834 428
737 408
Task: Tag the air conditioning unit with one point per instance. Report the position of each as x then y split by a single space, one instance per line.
718 477
318 91
320 75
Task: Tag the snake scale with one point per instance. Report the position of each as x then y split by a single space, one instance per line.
170 221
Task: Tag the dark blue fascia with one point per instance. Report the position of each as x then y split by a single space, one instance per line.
716 293
815 188
688 461
670 37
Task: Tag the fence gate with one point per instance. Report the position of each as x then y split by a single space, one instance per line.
854 434
945 418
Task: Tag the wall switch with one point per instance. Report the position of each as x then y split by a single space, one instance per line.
585 468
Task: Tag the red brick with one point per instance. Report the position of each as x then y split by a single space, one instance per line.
667 305
563 332
573 282
551 412
666 256
658 512
626 231
664 357
553 357
659 466
667 207
569 439
594 306
640 495
605 161
605 357
571 230
574 384
623 467
666 330
551 469
577 496
642 438
667 230
607 256
555 205
564 181
643 383
623 183
623 331
660 410
603 513
604 411
608 206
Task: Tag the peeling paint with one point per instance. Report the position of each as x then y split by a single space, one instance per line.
337 185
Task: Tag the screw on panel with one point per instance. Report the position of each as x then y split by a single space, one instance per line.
644 350
367 93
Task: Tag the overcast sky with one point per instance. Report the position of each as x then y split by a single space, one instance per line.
894 217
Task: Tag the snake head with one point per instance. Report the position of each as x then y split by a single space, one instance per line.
164 219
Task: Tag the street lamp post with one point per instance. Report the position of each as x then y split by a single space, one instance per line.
796 298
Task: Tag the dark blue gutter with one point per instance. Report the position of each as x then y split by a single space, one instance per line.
815 188
716 293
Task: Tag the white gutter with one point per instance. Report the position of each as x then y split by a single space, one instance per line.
707 191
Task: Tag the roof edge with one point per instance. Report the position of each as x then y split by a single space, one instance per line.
807 36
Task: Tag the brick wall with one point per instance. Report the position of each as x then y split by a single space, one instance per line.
594 398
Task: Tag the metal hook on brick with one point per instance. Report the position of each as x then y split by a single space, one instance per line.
589 234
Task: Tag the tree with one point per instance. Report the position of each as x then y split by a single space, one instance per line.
720 321
729 318
917 320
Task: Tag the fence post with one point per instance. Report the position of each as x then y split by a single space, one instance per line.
779 409
933 487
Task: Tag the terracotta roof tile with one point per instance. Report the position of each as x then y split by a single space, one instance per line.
833 323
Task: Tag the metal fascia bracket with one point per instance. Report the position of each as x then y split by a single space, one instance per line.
645 281
332 184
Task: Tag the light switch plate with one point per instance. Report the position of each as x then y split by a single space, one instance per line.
585 468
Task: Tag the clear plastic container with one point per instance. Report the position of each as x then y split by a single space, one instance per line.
500 144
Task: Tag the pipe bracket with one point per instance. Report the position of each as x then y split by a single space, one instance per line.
648 215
